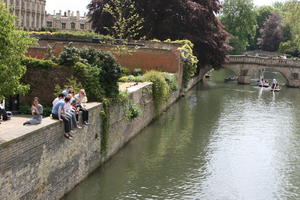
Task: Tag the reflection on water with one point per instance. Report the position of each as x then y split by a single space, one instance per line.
222 141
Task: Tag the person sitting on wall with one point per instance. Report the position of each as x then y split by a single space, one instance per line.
3 113
78 103
68 90
60 97
37 112
70 111
58 113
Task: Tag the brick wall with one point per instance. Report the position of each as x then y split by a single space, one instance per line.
164 57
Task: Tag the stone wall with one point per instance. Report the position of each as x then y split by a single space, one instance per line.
40 163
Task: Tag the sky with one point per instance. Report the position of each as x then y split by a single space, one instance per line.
80 5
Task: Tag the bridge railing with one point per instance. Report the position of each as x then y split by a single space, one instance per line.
264 61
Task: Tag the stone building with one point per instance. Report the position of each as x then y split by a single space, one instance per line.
68 21
30 13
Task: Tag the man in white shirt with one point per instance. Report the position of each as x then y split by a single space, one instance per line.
3 113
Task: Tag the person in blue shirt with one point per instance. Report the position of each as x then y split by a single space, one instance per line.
58 113
68 90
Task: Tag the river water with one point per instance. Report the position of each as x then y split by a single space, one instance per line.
220 142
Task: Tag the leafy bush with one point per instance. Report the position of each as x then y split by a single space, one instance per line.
172 82
89 56
161 89
69 56
131 78
109 75
134 111
25 110
96 70
289 48
131 110
89 77
69 82
125 71
137 72
37 63
47 111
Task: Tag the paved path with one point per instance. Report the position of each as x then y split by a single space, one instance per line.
12 129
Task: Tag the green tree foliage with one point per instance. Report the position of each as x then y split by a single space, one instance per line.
262 13
96 70
127 23
271 33
194 20
13 46
291 16
69 56
290 12
239 19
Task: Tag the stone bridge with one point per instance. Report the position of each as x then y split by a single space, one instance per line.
246 67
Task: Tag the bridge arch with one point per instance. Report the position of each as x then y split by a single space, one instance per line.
247 66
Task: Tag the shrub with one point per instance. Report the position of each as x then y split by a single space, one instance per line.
37 63
137 72
47 111
130 109
69 56
89 77
125 71
95 69
109 75
70 81
161 89
172 82
134 111
89 56
123 79
25 110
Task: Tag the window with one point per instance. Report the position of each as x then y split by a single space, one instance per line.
49 24
73 26
82 26
63 25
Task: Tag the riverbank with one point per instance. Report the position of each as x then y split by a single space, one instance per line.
42 164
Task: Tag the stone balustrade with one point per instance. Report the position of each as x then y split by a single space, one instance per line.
267 61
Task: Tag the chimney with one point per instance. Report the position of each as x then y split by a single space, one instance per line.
78 15
69 13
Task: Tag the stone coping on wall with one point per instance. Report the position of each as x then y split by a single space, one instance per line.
13 130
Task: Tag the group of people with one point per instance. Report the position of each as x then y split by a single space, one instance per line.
265 83
65 109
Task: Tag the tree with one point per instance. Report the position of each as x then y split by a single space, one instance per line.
13 46
262 14
124 23
194 20
239 19
291 15
272 34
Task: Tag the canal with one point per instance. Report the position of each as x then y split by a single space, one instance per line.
223 141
